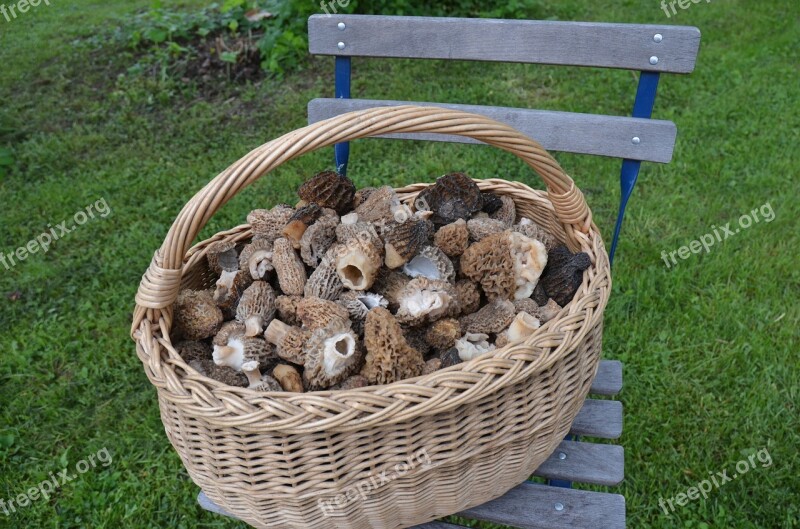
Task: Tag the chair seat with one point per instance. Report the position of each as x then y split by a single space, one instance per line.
537 506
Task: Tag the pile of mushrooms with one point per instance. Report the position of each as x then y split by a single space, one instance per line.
354 288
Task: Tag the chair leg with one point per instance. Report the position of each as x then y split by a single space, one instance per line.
343 75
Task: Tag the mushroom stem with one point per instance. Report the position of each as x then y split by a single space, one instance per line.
523 326
254 326
289 378
275 332
252 372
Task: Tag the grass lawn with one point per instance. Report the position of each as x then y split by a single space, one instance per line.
710 346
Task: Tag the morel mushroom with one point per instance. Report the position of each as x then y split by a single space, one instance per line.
360 257
432 365
472 345
259 382
197 317
533 231
318 238
389 357
256 307
358 304
453 238
190 350
453 196
299 222
523 326
468 296
288 377
564 274
507 265
324 282
256 258
331 356
353 382
492 318
288 340
316 313
222 257
431 263
289 268
479 229
442 335
380 205
403 240
329 189
425 300
491 203
222 374
287 309
506 213
390 285
240 349
268 224
450 358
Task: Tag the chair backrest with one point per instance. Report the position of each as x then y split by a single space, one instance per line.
650 49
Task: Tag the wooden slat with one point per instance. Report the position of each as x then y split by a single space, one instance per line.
534 506
557 131
628 46
608 380
599 418
598 464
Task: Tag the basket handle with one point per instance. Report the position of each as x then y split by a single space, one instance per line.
160 285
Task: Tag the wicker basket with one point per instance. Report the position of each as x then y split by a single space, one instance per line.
389 456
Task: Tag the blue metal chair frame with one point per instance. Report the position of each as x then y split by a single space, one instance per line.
642 108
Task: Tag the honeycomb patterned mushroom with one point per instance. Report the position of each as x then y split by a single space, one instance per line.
361 196
432 365
454 196
450 358
329 189
530 229
240 349
222 374
288 377
468 297
564 274
318 238
286 307
453 238
268 224
289 268
472 345
403 240
425 300
288 340
324 282
257 380
543 313
256 258
332 355
443 334
358 304
256 308
490 319
491 203
190 350
222 257
197 317
381 204
415 336
359 257
390 285
431 262
389 357
353 382
299 222
507 265
316 313
479 229
506 213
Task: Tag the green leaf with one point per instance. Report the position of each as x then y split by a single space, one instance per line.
6 157
156 35
203 31
233 25
229 56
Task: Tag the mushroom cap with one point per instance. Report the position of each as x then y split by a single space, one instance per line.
564 273
431 262
450 358
453 238
358 304
256 258
329 189
268 224
228 291
432 365
197 317
483 227
324 281
221 256
289 341
332 355
359 257
389 356
379 204
229 330
491 202
191 350
506 213
468 297
316 313
286 307
454 196
256 307
353 382
390 285
318 238
442 335
404 239
299 222
492 318
530 229
489 262
361 196
425 300
289 268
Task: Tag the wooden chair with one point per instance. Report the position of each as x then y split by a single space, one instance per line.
647 48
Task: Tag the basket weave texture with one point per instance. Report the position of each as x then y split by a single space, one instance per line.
385 456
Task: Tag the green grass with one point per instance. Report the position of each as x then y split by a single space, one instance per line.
710 346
